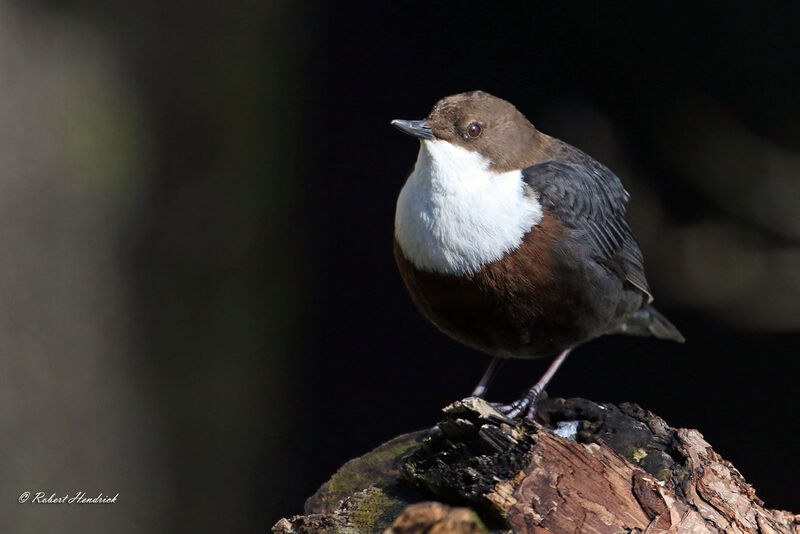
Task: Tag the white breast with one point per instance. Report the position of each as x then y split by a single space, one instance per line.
454 214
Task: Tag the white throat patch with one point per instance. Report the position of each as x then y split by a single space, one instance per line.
455 215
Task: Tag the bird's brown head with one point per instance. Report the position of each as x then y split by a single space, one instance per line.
480 122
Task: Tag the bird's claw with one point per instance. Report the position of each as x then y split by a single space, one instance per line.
522 408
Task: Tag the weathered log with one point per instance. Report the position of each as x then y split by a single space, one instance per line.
588 467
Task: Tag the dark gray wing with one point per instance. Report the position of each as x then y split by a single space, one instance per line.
591 200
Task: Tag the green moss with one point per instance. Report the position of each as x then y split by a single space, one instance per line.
664 474
633 453
357 475
376 468
345 481
398 449
374 511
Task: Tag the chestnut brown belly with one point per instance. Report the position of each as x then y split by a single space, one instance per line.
526 305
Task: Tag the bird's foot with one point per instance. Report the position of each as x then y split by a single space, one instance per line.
522 408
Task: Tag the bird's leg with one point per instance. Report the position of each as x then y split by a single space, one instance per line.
487 377
525 406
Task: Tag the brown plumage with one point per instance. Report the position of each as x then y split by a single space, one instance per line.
575 274
492 310
514 143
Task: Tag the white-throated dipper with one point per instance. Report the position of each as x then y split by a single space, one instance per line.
515 243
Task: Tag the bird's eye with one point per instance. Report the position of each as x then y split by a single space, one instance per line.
474 130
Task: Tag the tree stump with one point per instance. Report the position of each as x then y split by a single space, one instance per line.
585 468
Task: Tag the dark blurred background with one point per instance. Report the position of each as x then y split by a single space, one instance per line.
200 308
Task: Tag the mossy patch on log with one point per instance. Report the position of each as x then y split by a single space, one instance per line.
379 467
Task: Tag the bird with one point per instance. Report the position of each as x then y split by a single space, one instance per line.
516 243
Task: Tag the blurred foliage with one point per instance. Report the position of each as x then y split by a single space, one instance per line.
145 193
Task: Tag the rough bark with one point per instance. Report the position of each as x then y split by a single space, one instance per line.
589 468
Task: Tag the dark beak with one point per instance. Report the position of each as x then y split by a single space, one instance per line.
416 128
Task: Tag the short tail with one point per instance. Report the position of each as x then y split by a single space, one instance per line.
648 321
661 328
